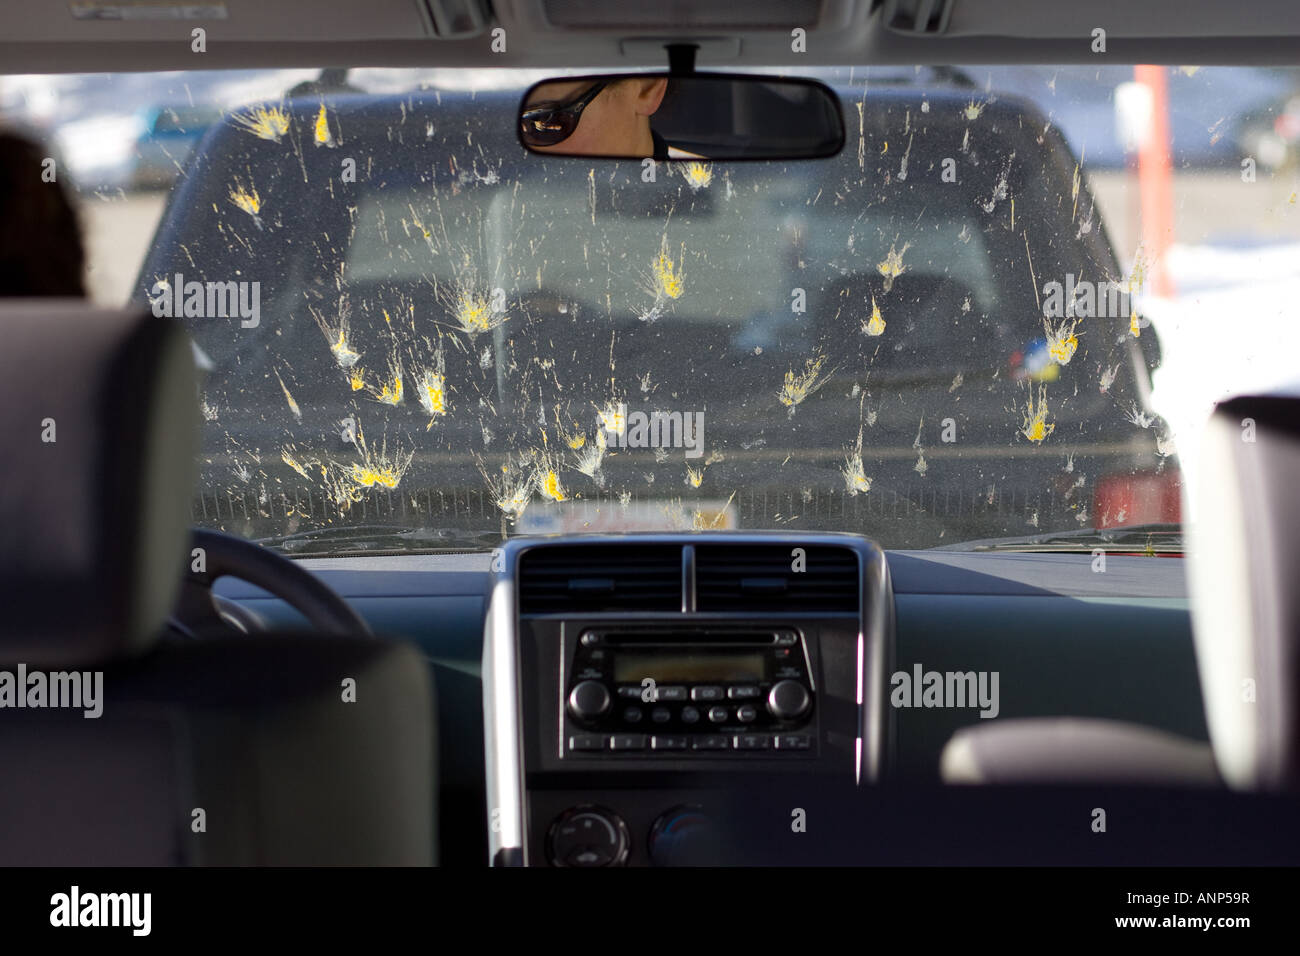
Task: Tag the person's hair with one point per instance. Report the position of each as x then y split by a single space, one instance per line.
41 251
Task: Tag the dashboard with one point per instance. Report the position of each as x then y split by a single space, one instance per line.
626 679
547 762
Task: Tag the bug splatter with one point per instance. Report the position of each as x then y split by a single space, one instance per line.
892 267
248 201
798 386
1035 426
336 336
1062 341
876 324
697 175
264 122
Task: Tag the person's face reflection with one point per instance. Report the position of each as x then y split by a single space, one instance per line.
615 123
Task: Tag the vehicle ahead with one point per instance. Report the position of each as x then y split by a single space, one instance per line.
453 337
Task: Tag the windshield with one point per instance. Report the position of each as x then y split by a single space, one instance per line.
975 323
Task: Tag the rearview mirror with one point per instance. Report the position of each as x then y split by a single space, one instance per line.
709 116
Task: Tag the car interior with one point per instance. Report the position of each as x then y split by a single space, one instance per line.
708 484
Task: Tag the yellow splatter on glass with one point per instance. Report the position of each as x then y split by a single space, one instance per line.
290 459
668 281
611 418
1137 278
246 199
698 175
549 483
1062 341
856 481
264 122
390 391
433 395
343 353
798 386
1035 426
892 267
876 324
322 131
375 470
293 405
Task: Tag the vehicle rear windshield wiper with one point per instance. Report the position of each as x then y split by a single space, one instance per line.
1155 538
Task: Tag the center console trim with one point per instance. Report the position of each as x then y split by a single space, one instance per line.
502 691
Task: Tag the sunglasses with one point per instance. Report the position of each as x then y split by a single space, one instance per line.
548 125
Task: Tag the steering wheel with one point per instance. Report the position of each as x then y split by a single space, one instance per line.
201 611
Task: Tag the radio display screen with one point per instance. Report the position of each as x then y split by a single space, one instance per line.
632 668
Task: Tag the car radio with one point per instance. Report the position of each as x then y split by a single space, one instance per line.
683 690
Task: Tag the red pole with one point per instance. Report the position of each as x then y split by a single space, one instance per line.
1155 180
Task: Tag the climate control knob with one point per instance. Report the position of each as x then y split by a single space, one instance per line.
788 700
588 836
589 699
684 836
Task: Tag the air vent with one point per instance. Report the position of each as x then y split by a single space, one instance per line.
685 14
918 17
763 578
594 578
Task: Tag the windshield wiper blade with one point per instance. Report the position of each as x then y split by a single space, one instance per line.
1153 538
364 539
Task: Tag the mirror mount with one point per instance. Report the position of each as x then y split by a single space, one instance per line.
681 58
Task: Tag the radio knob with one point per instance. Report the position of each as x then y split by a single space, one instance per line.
589 699
788 699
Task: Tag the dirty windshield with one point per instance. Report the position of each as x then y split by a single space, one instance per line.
415 334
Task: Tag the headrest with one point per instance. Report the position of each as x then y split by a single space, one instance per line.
99 425
1244 571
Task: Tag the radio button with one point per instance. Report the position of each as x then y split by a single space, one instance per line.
753 742
661 715
746 713
588 699
632 715
711 742
744 692
668 743
706 693
690 715
672 694
718 715
586 742
627 742
793 742
630 691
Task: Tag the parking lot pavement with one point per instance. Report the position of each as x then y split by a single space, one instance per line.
117 231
